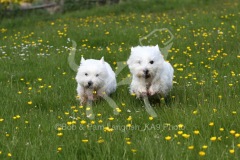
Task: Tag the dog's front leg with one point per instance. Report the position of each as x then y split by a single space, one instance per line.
138 87
155 87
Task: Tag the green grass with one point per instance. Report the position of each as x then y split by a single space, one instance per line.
40 117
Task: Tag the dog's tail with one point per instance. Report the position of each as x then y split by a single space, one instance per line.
71 57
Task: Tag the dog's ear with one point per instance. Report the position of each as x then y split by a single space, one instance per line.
156 47
82 60
102 60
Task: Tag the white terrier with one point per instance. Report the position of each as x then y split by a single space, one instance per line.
151 74
94 78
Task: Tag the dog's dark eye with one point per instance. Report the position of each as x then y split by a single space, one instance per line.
139 62
86 74
151 62
97 75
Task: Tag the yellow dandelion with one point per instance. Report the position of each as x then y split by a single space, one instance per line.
180 132
201 153
150 118
129 118
127 139
213 139
221 129
128 142
128 125
231 151
118 110
108 129
234 112
80 107
84 140
211 124
74 122
180 126
204 146
133 94
232 132
190 147
29 102
1 119
100 121
99 114
69 123
196 132
237 135
186 135
111 118
83 122
195 112
100 141
9 155
59 149
238 145
75 110
219 138
180 69
134 150
59 134
168 138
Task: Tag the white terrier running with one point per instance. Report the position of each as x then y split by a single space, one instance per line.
151 74
94 78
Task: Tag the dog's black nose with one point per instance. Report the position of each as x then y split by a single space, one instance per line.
90 83
145 71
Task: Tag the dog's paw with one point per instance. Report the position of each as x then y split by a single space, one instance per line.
152 91
141 93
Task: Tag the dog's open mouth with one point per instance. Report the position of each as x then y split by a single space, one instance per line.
146 76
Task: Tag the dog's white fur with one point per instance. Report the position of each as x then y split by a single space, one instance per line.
151 74
94 78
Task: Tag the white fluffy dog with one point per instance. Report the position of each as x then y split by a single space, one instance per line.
94 78
151 74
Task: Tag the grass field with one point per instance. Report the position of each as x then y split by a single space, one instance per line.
40 117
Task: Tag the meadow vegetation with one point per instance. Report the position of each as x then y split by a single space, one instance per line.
40 117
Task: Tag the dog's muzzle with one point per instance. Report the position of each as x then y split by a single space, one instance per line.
146 73
89 84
